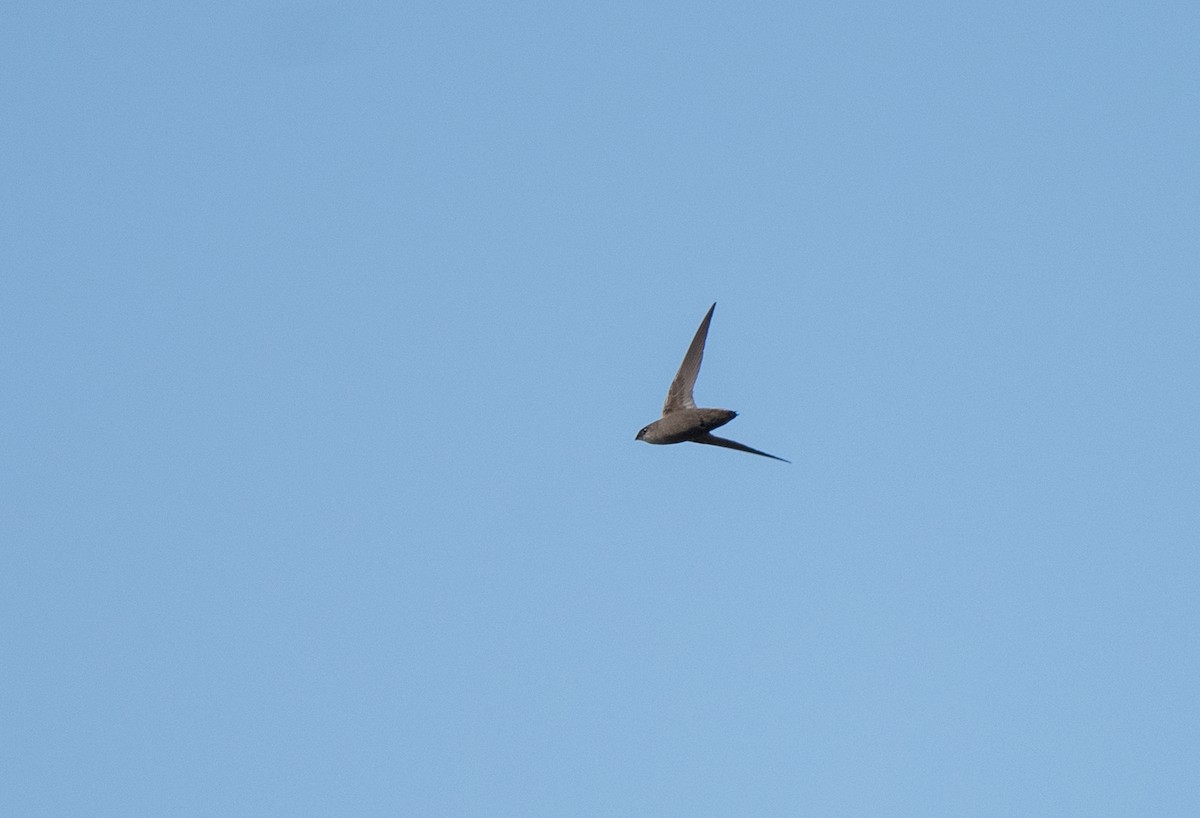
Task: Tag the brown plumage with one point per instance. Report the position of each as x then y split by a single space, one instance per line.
682 420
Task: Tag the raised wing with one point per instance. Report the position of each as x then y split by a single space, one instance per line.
713 440
679 396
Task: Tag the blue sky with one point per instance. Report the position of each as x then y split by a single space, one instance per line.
328 329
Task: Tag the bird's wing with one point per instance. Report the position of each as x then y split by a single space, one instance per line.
713 440
679 396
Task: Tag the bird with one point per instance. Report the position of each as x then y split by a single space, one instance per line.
682 420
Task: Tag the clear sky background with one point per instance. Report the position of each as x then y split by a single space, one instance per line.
327 328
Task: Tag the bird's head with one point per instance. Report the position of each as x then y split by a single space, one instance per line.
642 433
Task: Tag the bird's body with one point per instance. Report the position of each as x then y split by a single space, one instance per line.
685 424
682 420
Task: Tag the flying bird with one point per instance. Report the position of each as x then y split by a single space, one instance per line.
682 420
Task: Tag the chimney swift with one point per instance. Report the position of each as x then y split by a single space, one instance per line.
682 420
